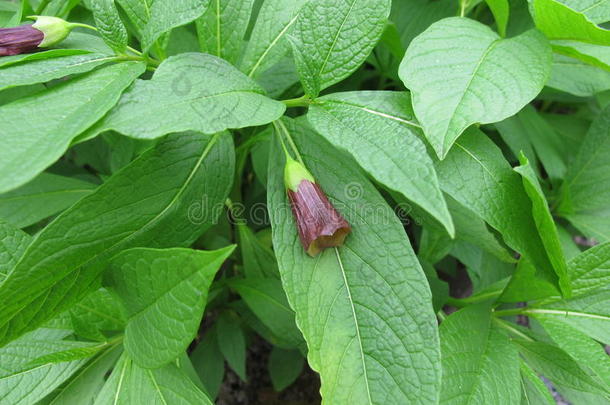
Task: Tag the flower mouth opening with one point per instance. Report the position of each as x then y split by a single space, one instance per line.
328 241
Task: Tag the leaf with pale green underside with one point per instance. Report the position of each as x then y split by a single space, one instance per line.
545 224
166 15
265 297
460 73
578 78
129 384
533 390
475 164
332 38
13 243
364 308
44 70
164 292
586 190
268 41
109 24
557 366
596 55
38 129
597 11
500 10
222 27
165 198
480 366
558 21
46 195
378 129
190 92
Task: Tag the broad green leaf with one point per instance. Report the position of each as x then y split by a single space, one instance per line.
412 17
480 366
364 308
545 224
86 382
285 366
259 260
38 129
209 362
266 298
477 81
13 243
590 270
332 38
190 91
268 41
98 313
587 352
526 285
586 190
164 292
222 27
44 70
475 163
533 390
138 12
500 10
576 77
378 130
596 55
165 15
232 343
129 384
558 21
557 366
173 193
109 24
21 383
42 197
597 11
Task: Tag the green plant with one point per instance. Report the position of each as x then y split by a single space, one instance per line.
153 163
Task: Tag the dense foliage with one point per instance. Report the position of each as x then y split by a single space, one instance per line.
147 237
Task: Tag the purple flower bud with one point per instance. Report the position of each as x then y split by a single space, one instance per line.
14 41
320 225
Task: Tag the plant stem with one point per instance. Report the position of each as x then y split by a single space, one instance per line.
280 127
509 312
303 101
462 302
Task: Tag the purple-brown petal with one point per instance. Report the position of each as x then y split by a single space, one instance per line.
320 225
14 41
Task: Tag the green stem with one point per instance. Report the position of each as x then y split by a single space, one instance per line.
441 315
462 302
509 312
303 101
280 127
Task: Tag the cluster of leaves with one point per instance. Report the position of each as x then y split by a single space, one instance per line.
478 131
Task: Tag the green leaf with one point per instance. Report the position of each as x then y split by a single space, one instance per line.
500 10
232 343
164 207
586 190
50 120
545 224
129 384
13 243
259 261
222 27
190 91
533 390
557 366
576 77
209 362
285 366
44 70
378 130
590 270
595 10
266 298
138 12
596 55
109 24
164 292
333 38
268 41
46 195
165 15
476 163
364 308
587 352
81 350
412 17
98 313
478 81
87 382
558 21
479 363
